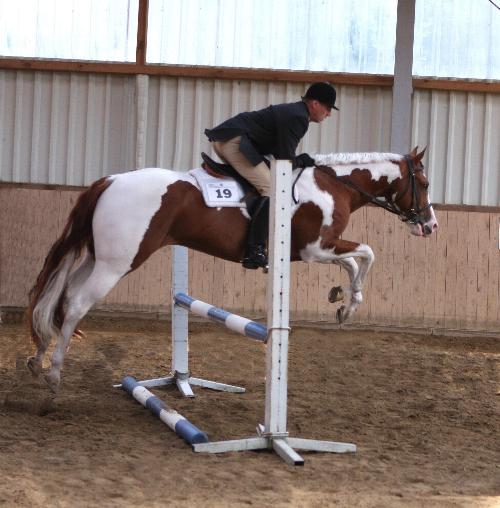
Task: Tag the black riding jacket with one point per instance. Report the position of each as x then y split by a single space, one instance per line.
275 130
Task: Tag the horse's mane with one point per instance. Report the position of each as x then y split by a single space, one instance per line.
340 159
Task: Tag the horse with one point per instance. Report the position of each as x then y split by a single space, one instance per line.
122 219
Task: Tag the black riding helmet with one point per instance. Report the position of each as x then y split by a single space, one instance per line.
322 92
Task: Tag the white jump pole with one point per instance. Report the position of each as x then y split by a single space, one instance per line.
273 434
179 374
178 423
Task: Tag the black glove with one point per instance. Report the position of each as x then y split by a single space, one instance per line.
304 160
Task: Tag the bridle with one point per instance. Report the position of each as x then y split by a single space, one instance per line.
414 214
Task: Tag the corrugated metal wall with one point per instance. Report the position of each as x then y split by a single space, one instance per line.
72 128
462 130
188 106
63 128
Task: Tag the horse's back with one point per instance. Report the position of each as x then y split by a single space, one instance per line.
148 180
126 208
140 189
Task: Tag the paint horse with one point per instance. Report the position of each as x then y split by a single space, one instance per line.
122 219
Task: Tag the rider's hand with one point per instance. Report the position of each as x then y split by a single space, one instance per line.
304 160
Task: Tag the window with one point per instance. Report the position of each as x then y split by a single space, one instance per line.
103 30
453 38
457 38
316 35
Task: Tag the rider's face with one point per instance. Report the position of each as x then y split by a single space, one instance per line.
318 111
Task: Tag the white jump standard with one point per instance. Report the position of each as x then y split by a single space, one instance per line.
273 434
180 425
179 374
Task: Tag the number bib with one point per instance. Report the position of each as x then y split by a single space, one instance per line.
219 192
222 192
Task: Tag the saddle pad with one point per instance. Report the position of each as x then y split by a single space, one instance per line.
219 192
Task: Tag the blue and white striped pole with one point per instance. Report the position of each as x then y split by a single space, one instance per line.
234 322
182 427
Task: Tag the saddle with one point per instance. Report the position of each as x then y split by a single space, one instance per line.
219 170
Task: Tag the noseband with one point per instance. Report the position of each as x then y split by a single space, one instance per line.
414 214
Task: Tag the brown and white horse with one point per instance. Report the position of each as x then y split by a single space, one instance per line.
122 219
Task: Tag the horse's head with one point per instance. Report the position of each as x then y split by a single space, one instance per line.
410 195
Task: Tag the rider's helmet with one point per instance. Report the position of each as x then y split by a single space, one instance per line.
322 92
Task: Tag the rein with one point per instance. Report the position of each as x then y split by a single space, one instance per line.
413 216
294 184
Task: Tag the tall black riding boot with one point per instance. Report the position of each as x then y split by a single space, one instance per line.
255 253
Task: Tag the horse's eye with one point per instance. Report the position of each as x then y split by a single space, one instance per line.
426 185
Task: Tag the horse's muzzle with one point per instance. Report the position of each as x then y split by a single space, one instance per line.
427 230
424 230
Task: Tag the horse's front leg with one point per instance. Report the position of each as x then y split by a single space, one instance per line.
345 251
337 293
342 252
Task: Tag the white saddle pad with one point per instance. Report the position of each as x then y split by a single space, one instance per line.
218 192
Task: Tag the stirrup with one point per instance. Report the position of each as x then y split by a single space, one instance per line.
255 258
250 264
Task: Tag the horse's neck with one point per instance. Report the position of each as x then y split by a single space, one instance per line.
379 165
373 178
360 183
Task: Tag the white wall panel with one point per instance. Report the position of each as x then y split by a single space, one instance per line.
461 130
65 128
71 29
181 109
326 35
72 128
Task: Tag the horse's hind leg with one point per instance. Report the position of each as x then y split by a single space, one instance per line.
80 299
35 363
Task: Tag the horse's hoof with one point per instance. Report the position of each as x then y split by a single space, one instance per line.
336 294
340 314
79 334
52 383
34 366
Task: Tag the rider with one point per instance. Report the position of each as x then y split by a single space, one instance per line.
244 139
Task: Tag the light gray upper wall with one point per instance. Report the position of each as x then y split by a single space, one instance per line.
179 110
64 128
462 132
72 128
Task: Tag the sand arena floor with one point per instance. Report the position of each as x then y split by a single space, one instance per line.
423 411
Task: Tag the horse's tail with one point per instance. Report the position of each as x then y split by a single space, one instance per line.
46 298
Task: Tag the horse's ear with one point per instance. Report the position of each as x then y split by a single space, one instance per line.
420 156
413 153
